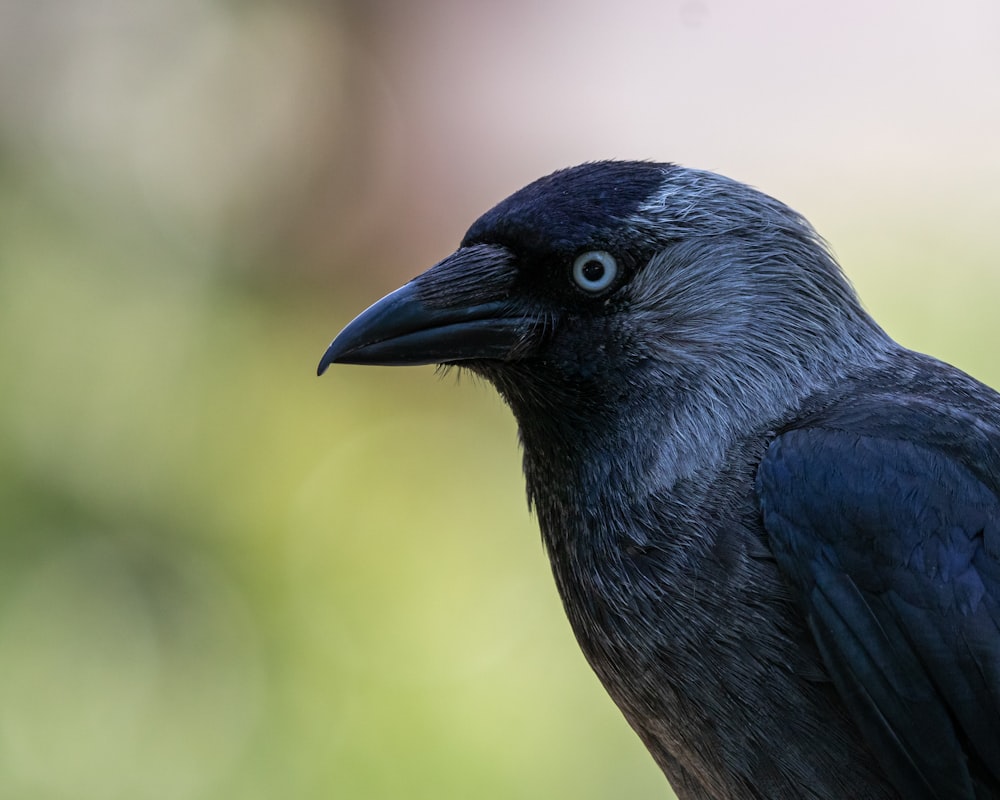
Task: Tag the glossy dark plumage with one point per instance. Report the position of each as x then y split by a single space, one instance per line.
776 532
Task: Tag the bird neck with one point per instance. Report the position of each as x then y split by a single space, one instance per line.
585 446
611 443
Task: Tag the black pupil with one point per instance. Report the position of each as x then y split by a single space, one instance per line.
593 271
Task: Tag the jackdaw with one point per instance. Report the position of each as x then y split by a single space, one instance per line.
775 531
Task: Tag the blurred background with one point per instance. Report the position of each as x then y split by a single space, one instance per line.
223 577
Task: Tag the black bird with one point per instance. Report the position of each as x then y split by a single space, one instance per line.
775 531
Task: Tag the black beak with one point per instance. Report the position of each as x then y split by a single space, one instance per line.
459 310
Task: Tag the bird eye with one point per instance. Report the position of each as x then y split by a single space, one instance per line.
595 270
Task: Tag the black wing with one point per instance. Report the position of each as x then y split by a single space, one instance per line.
894 548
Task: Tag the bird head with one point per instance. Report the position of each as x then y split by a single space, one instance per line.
617 294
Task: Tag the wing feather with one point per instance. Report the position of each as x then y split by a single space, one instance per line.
890 546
